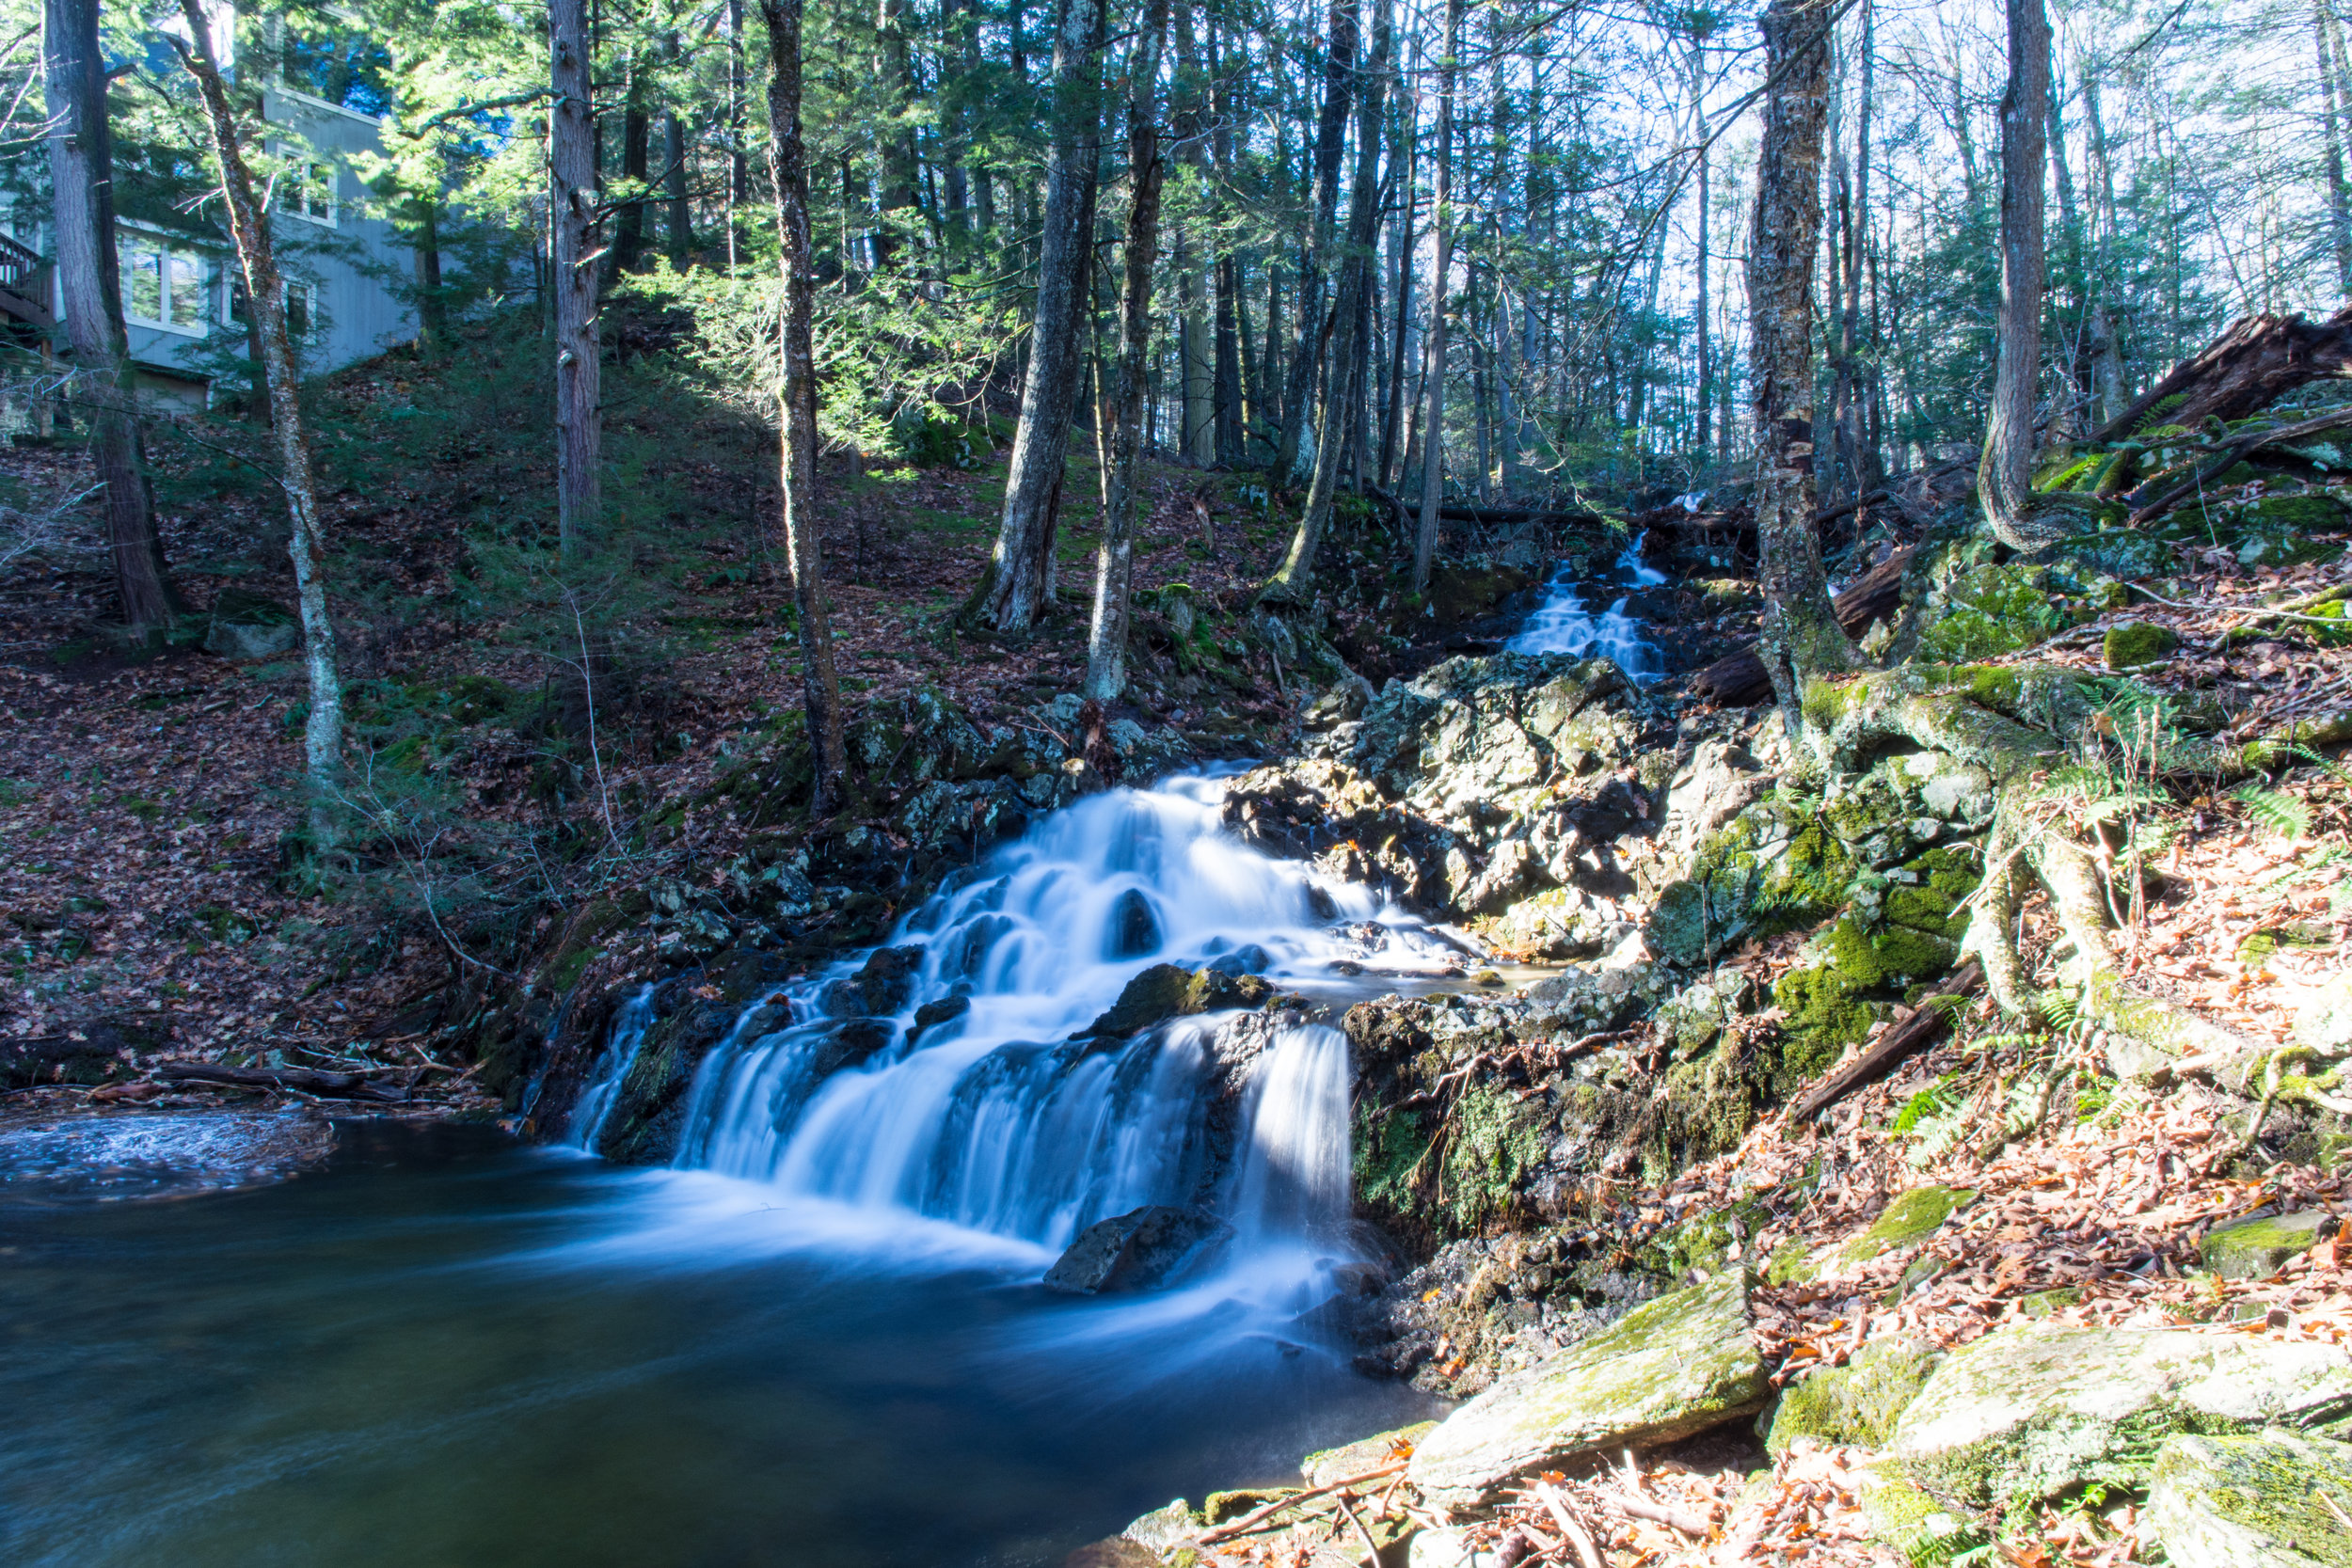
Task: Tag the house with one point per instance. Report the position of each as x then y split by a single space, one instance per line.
183 294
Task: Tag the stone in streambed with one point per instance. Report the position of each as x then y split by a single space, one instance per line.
2027 1413
1140 1250
2136 645
1672 1366
1170 990
2256 1247
2253 1502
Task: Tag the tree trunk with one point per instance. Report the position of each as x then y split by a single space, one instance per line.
2005 476
432 307
1339 78
1113 560
1227 388
1800 632
679 224
89 295
571 210
1293 582
1433 335
898 137
1404 154
1698 125
629 224
787 161
265 297
1017 584
2331 126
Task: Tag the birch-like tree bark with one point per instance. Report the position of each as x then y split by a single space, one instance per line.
265 294
1114 559
788 157
89 290
1015 587
572 213
1433 335
1801 635
2005 473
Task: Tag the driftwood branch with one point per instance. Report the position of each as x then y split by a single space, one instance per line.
329 1086
1255 1517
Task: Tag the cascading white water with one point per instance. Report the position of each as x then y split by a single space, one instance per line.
998 1118
1563 624
630 1020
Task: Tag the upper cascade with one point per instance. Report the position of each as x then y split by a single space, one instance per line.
1563 624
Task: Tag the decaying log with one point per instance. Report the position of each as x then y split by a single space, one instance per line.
1738 678
329 1086
2259 360
1892 1048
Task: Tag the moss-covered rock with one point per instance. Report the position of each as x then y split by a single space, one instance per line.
1909 1220
1857 1403
1669 1367
2256 1247
1170 990
2260 1501
1988 610
1326 1466
1924 1529
2031 1412
2137 644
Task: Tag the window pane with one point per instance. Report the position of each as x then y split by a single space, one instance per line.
143 285
298 310
321 190
187 291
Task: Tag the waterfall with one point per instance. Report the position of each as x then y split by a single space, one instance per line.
1563 624
630 1020
950 1080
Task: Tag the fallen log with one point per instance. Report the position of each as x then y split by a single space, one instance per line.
1493 516
1738 678
2148 510
1893 1047
327 1086
2258 361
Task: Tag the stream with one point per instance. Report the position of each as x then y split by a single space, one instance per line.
821 1336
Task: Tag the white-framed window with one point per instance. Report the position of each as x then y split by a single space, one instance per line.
161 287
306 316
307 187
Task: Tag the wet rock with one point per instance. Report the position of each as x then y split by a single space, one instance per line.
1141 1250
1674 1367
1165 1529
881 988
932 1013
1248 958
1133 926
1326 1466
2026 1413
2259 1501
1170 990
1117 1552
2256 1247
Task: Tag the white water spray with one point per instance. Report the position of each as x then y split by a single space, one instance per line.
1564 624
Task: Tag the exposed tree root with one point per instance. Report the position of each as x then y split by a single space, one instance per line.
1939 709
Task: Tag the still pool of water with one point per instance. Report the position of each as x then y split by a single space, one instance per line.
445 1350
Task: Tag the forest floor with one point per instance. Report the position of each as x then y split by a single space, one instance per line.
145 802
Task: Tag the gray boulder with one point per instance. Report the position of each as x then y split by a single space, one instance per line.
1138 1251
245 624
2325 1022
2029 1412
1669 1367
2255 1247
2259 1501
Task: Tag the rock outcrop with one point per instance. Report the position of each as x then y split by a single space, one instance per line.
2276 1500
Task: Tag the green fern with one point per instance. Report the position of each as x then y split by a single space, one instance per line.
2283 814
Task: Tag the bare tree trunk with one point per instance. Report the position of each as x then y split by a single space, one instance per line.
89 294
1697 65
1433 335
572 212
1113 560
1016 585
1339 78
2005 476
679 224
787 158
1294 582
1231 431
2331 125
629 224
2108 351
432 309
1404 154
1801 635
898 139
266 295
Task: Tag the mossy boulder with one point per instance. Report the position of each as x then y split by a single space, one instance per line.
1988 610
2256 1247
2137 644
2257 1502
1666 1369
1326 1466
2123 553
1909 1220
2031 1412
1461 593
1922 1528
2276 530
1857 1403
1170 990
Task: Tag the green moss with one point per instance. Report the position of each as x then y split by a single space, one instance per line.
2270 1494
1989 610
2256 1248
2137 643
1823 1018
1889 957
1856 1403
1946 877
1703 1241
1910 1219
1903 1516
